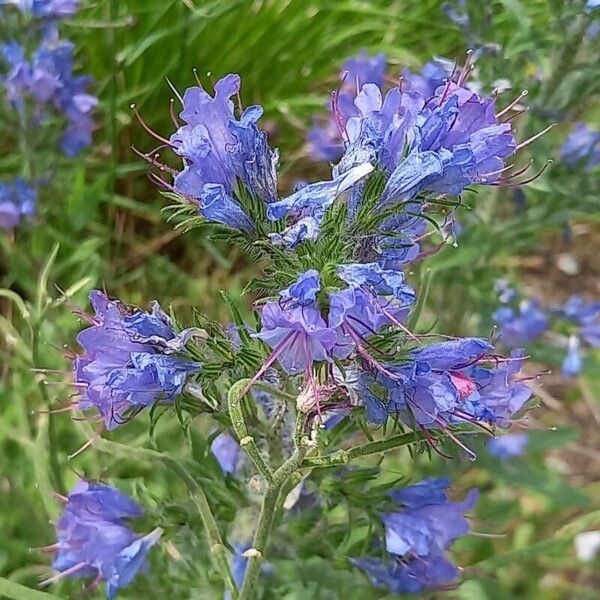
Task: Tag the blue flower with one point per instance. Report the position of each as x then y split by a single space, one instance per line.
526 325
48 79
371 276
228 453
314 199
582 146
448 383
94 539
324 139
219 151
573 361
578 310
129 362
434 74
417 537
17 200
508 446
294 328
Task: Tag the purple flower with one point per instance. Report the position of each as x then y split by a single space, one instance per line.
448 383
417 537
582 146
220 150
526 325
324 139
506 293
355 314
508 446
410 576
591 334
434 74
312 201
94 539
294 328
48 80
373 277
129 361
17 200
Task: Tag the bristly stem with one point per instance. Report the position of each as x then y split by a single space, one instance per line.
272 501
247 442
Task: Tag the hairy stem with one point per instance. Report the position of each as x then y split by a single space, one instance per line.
272 501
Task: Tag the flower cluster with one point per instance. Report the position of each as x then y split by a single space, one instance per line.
335 311
17 200
131 360
42 93
47 79
417 537
578 319
95 541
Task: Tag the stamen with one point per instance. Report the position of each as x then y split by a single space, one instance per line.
62 574
195 72
147 128
88 444
535 137
525 181
467 69
175 91
172 114
512 104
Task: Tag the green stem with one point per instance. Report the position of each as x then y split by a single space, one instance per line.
219 552
342 457
271 502
53 461
247 442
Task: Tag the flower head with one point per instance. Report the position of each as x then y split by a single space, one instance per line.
417 537
220 151
94 539
294 328
129 361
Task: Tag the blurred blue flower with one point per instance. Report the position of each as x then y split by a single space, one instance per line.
94 539
49 9
228 452
17 200
578 310
506 293
129 361
582 146
508 446
573 360
48 80
522 326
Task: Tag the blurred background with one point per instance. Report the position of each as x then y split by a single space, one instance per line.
100 222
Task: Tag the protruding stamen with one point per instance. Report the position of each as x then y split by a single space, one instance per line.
147 128
89 443
195 72
175 91
535 137
512 104
62 574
